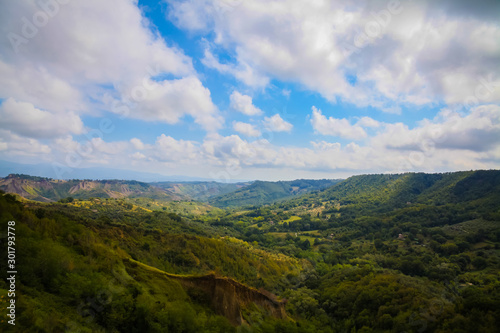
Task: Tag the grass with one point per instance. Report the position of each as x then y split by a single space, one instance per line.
471 226
291 219
302 235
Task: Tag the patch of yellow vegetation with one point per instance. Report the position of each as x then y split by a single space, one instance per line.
291 219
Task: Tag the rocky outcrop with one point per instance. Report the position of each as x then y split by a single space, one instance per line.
46 189
25 187
83 186
227 297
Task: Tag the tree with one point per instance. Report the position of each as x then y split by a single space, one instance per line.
305 245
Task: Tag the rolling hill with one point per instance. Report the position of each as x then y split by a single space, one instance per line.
262 192
199 191
48 190
372 253
382 193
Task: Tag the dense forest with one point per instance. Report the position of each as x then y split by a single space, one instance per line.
375 253
261 192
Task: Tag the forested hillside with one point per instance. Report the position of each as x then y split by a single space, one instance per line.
261 192
200 191
78 273
389 249
374 253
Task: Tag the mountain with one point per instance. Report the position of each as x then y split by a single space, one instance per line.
382 193
263 192
372 253
47 190
199 191
60 172
123 270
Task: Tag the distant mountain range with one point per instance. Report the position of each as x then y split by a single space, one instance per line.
54 171
47 190
261 192
217 194
200 191
377 194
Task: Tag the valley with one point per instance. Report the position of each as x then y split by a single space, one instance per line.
408 252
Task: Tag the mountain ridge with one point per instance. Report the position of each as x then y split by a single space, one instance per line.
265 192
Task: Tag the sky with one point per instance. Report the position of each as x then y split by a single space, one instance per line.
251 89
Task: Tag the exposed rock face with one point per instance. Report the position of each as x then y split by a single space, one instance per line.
47 190
227 297
26 188
83 186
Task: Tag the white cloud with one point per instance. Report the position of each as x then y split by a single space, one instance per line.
242 71
168 149
277 124
14 145
246 129
336 127
97 66
368 122
323 145
243 103
232 150
23 118
168 101
137 143
138 156
110 148
35 85
425 52
478 131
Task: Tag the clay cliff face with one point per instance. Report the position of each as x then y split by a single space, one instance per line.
227 297
48 190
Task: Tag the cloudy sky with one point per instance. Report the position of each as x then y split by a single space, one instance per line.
251 89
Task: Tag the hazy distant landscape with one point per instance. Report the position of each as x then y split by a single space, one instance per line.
267 166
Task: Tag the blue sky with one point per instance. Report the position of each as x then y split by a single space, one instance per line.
238 89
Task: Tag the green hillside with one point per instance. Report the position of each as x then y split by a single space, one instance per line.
78 272
374 253
261 192
200 191
384 245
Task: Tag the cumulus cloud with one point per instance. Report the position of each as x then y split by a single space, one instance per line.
368 122
246 129
335 127
242 71
24 119
277 124
323 145
243 103
478 131
412 53
97 65
168 149
14 145
137 143
99 56
169 100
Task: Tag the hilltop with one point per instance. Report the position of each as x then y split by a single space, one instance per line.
217 194
49 190
262 192
200 190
